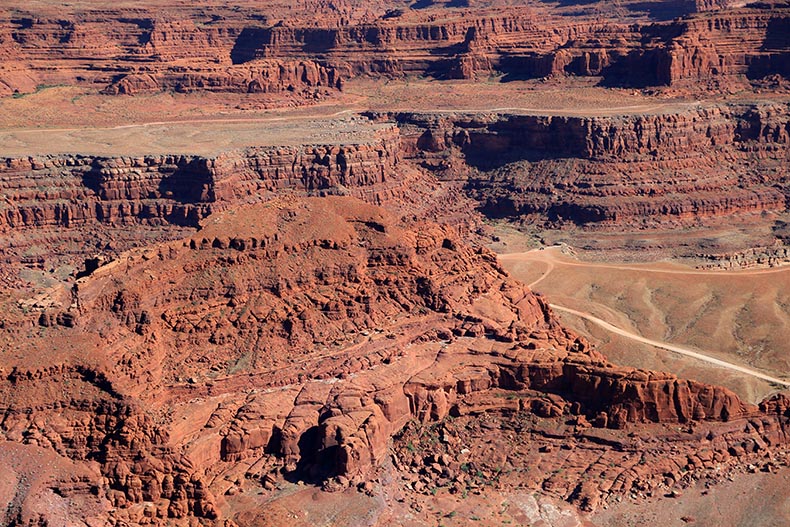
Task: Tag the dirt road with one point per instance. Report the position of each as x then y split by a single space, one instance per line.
670 347
549 256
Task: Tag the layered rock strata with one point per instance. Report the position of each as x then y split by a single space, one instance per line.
50 202
127 51
68 190
691 165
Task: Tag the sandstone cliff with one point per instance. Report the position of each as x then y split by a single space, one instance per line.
127 51
701 162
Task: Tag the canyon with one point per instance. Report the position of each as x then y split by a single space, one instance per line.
285 301
699 164
295 264
702 162
126 50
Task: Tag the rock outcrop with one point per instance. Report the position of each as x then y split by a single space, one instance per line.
71 410
66 190
265 77
295 338
49 202
186 339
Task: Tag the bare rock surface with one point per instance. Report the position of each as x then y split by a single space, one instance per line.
295 339
692 166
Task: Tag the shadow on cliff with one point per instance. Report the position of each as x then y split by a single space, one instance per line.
252 42
190 182
495 157
776 44
561 211
425 4
178 193
637 69
663 11
247 44
658 11
520 139
315 464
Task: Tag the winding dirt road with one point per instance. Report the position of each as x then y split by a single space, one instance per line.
192 122
552 258
670 347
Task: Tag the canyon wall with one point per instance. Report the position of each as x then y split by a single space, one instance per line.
178 331
69 190
694 163
722 45
700 162
132 51
86 421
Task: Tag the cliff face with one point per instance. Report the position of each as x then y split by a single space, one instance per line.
697 163
72 190
91 425
52 204
133 51
129 53
271 76
694 164
751 44
181 335
64 191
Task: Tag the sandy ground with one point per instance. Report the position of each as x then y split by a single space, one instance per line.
562 96
749 500
739 317
74 106
704 357
206 137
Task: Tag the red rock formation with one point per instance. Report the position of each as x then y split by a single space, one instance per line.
644 169
226 347
575 460
52 203
72 410
263 77
77 191
752 44
243 50
300 336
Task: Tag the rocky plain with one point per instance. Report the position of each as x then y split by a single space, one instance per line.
477 262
